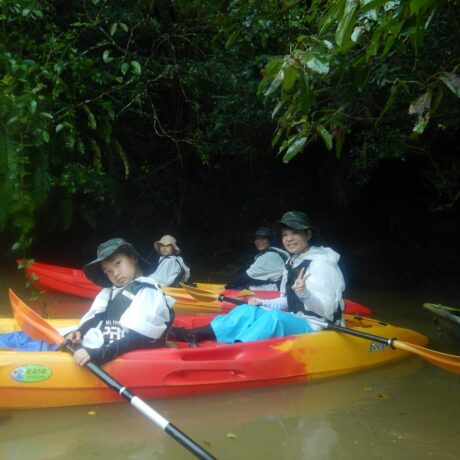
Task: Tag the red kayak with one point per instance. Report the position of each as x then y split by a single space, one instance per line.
67 280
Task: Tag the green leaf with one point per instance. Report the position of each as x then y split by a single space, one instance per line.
373 4
275 83
106 56
45 136
452 81
347 23
296 146
420 126
124 27
59 127
272 68
136 67
317 62
326 135
232 39
124 68
307 95
416 6
113 28
290 75
278 134
421 105
91 118
277 108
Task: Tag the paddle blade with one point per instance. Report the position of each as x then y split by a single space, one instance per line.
200 294
448 362
32 323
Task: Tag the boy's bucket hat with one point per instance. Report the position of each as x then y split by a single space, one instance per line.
165 241
93 270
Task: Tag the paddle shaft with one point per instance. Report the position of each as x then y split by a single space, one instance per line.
143 407
354 332
222 298
328 325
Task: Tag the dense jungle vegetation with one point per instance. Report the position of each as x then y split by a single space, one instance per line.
205 119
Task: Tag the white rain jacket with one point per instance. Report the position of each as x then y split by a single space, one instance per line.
324 286
169 269
147 314
269 267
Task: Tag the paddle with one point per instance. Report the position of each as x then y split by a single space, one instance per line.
208 296
35 326
443 360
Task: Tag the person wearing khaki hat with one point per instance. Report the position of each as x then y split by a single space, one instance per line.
171 269
266 269
311 287
130 312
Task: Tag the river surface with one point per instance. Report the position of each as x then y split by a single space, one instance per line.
408 410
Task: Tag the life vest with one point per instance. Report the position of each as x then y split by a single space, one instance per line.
295 305
117 305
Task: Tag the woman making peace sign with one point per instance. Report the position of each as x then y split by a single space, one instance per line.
311 287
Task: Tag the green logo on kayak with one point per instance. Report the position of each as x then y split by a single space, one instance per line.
31 373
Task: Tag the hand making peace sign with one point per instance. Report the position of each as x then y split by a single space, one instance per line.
299 284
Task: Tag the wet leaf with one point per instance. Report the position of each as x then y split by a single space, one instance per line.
452 81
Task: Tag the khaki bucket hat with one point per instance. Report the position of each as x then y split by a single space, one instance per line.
165 241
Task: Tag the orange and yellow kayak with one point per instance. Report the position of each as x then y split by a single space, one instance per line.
49 379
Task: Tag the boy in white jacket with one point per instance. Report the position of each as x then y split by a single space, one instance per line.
130 312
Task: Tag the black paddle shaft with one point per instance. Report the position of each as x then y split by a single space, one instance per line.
222 298
169 428
329 325
363 335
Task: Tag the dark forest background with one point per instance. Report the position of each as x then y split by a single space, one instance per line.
207 119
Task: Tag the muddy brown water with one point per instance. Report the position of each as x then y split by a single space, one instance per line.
409 410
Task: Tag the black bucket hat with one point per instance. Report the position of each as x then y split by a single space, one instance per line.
93 270
296 220
265 231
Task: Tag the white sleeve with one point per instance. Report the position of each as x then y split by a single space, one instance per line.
167 272
147 314
280 303
324 288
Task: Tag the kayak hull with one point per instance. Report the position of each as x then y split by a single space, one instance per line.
51 379
56 278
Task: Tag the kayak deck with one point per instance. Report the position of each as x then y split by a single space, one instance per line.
67 280
48 379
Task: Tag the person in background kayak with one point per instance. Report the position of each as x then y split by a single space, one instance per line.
311 288
130 312
266 270
171 269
